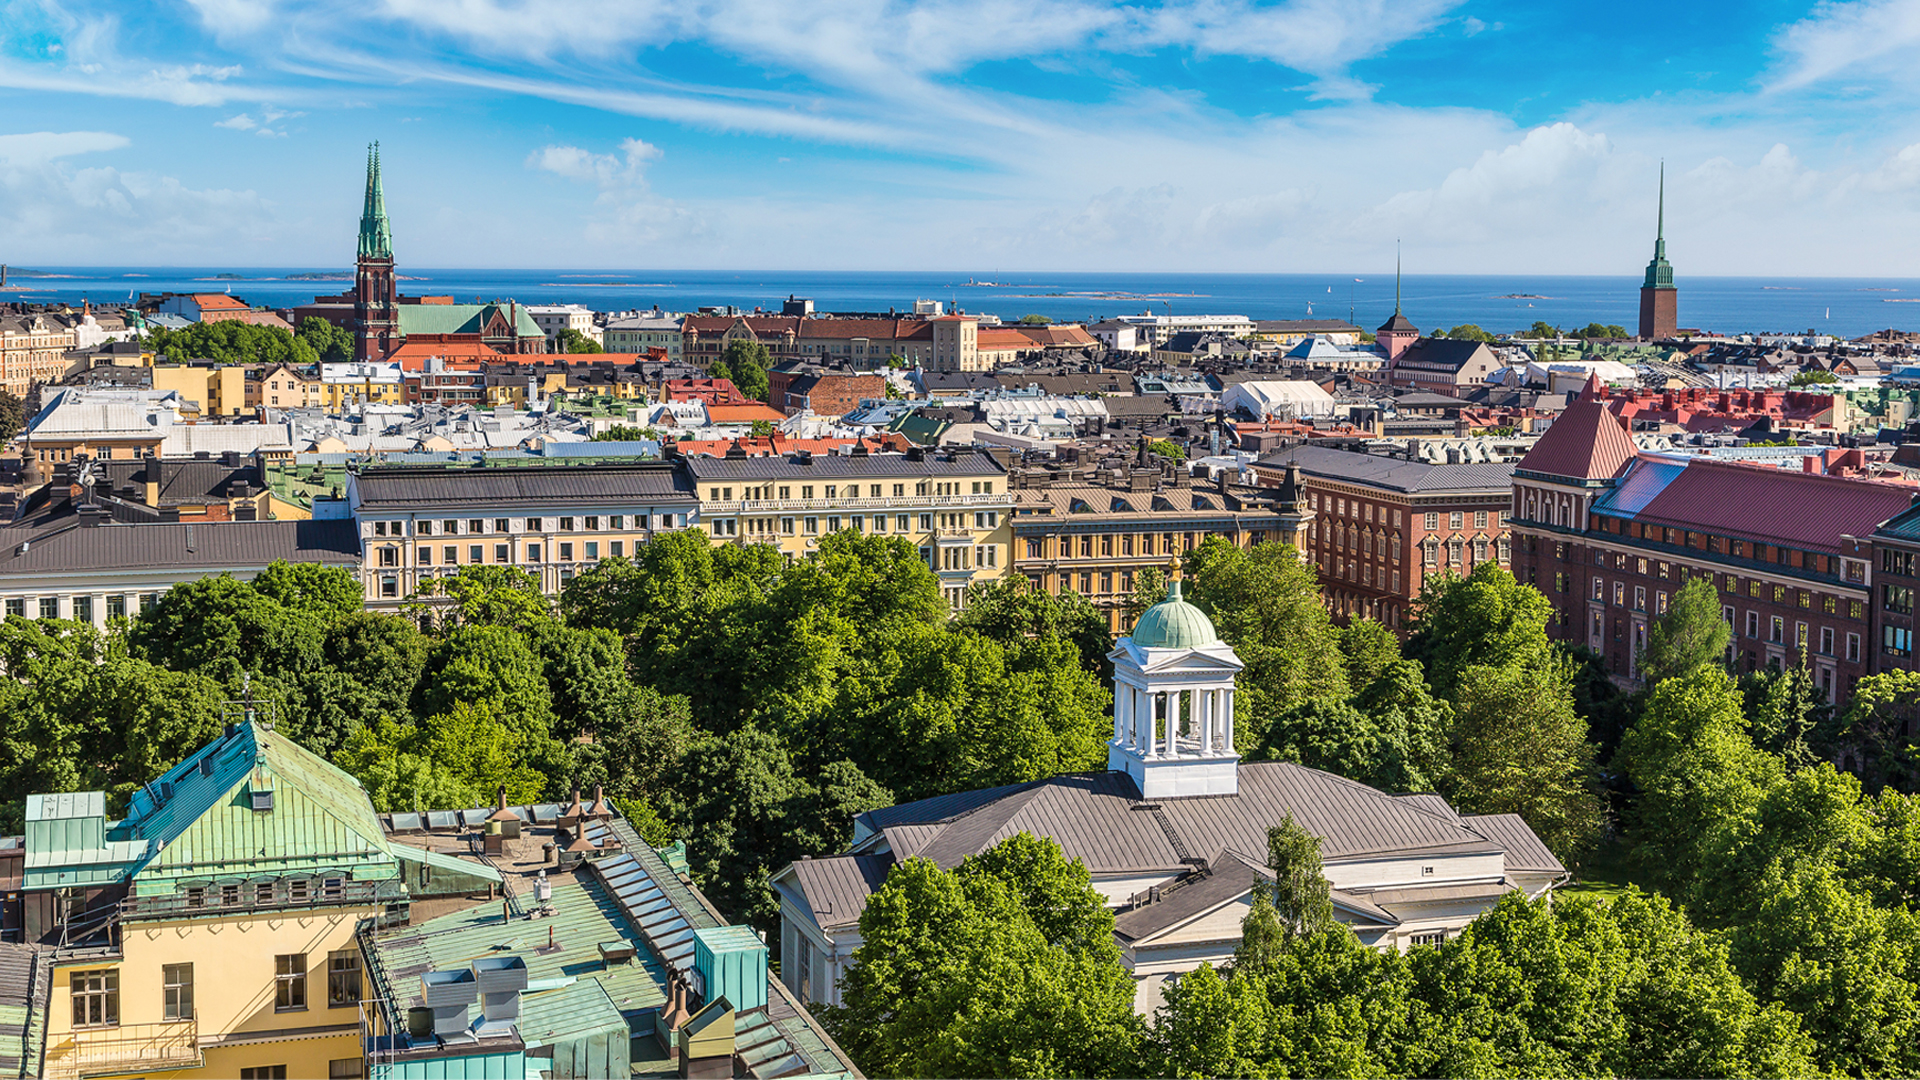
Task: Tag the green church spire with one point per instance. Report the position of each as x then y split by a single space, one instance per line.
376 235
1659 271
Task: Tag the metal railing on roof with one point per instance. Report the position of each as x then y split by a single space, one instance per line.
845 503
250 896
126 1048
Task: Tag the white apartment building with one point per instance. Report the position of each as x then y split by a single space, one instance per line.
553 318
638 334
1156 329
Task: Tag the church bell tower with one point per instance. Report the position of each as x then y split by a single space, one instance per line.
1173 704
1659 301
376 325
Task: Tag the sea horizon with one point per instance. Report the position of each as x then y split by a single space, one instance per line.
1499 303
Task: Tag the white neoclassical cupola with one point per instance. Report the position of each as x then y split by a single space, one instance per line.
1173 704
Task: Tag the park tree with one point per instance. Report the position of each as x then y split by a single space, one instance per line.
1520 748
1468 332
747 363
1005 966
332 344
1265 603
573 341
1697 772
1302 898
1875 733
1691 634
746 812
1484 618
13 417
1011 610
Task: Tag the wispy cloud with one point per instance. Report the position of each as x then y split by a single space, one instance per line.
1848 39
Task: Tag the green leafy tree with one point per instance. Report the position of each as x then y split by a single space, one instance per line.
1467 332
1875 734
573 341
1697 772
749 362
1004 967
1302 898
332 344
1167 448
625 433
1813 377
1149 588
1265 602
746 812
1691 634
1784 709
1011 610
494 596
1520 748
13 417
1484 618
232 342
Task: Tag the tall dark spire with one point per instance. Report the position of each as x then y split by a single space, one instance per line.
1396 277
1659 271
376 234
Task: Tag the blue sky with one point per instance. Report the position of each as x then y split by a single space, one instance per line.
1308 135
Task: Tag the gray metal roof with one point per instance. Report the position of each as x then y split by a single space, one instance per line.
26 980
1226 879
1394 474
1524 850
218 545
837 888
436 487
969 463
1100 819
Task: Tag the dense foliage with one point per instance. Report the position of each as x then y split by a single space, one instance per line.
753 707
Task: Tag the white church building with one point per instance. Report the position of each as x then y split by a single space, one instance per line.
1174 833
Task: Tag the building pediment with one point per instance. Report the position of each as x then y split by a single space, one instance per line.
1208 659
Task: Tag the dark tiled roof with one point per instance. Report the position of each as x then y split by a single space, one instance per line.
1444 354
1586 442
1398 324
215 545
434 487
1395 474
842 466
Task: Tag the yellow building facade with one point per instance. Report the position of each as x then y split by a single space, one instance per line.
953 505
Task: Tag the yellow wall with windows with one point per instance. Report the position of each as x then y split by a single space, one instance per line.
234 990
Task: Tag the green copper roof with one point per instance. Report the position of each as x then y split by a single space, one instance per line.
376 235
1174 624
461 318
1659 271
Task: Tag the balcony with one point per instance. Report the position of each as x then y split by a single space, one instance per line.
128 1048
855 504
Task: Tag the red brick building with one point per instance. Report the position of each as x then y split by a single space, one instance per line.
1383 525
826 393
1610 534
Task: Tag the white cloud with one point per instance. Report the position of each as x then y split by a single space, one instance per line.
1848 38
40 147
1523 182
240 122
626 210
52 212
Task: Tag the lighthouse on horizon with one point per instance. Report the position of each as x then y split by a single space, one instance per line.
1659 301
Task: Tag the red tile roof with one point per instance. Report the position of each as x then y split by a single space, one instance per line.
1587 442
744 414
217 302
1773 506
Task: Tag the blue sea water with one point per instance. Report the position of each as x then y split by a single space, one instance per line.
1847 307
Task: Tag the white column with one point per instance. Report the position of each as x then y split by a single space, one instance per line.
1206 721
1119 710
1229 711
1173 722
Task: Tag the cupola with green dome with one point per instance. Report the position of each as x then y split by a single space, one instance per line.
1174 624
1173 703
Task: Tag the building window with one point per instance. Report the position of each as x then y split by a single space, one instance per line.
593 550
566 553
449 528
290 982
1619 594
426 555
96 998
1853 647
1660 603
17 606
343 978
477 526
1896 640
390 587
345 1069
1826 641
1479 519
1432 522
1639 598
1436 937
1033 548
566 523
83 609
1753 624
389 556
1777 630
1455 520
176 988
264 1072
1897 599
503 553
